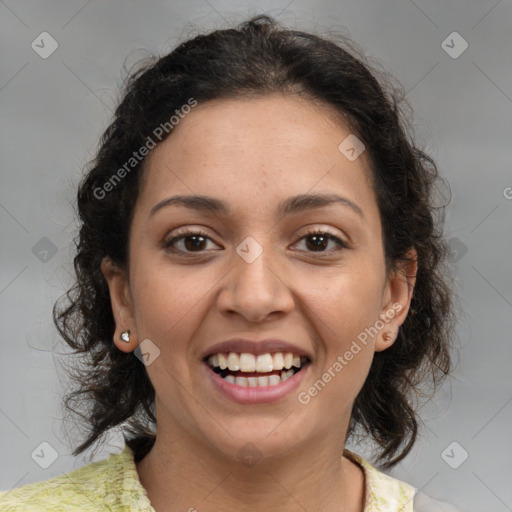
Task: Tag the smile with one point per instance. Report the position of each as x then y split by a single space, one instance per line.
251 378
253 371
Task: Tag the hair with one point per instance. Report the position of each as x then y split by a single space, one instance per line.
257 58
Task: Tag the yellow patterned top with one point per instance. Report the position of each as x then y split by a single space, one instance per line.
113 485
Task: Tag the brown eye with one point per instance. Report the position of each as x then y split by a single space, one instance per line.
318 241
191 242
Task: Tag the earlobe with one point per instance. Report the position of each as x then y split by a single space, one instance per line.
125 337
397 300
125 342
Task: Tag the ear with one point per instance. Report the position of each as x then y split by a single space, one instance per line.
122 306
397 300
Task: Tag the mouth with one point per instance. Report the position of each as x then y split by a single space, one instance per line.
256 370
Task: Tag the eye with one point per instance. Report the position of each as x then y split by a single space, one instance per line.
319 240
193 241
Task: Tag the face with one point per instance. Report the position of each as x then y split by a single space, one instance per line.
309 275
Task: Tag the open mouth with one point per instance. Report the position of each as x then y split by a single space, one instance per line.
253 370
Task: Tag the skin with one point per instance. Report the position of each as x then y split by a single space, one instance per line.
253 154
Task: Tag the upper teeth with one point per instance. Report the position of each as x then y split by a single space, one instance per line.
262 363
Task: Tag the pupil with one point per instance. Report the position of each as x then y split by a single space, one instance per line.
319 238
198 241
318 242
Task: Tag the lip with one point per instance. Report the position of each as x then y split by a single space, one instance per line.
241 345
258 395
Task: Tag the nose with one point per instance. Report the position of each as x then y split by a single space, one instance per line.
255 290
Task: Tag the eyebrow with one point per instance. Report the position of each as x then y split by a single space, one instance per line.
294 204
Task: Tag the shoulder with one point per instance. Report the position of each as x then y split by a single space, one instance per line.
424 503
78 489
383 493
88 488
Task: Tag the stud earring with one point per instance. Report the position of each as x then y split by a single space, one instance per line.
387 336
125 336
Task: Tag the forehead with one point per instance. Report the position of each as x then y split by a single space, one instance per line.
248 147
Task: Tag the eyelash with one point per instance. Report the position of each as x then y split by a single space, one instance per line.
186 232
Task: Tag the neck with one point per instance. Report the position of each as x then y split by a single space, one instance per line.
180 473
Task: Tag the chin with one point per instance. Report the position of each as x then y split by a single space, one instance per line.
255 439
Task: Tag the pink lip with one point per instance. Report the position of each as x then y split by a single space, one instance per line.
258 395
240 345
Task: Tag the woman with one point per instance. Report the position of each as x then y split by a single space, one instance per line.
259 279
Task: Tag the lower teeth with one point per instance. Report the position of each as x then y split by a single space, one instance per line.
267 380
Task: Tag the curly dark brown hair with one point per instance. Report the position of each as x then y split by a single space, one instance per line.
257 58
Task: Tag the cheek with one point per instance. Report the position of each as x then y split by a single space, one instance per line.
346 301
166 305
344 311
343 316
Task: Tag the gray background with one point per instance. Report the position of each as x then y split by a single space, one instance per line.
55 109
